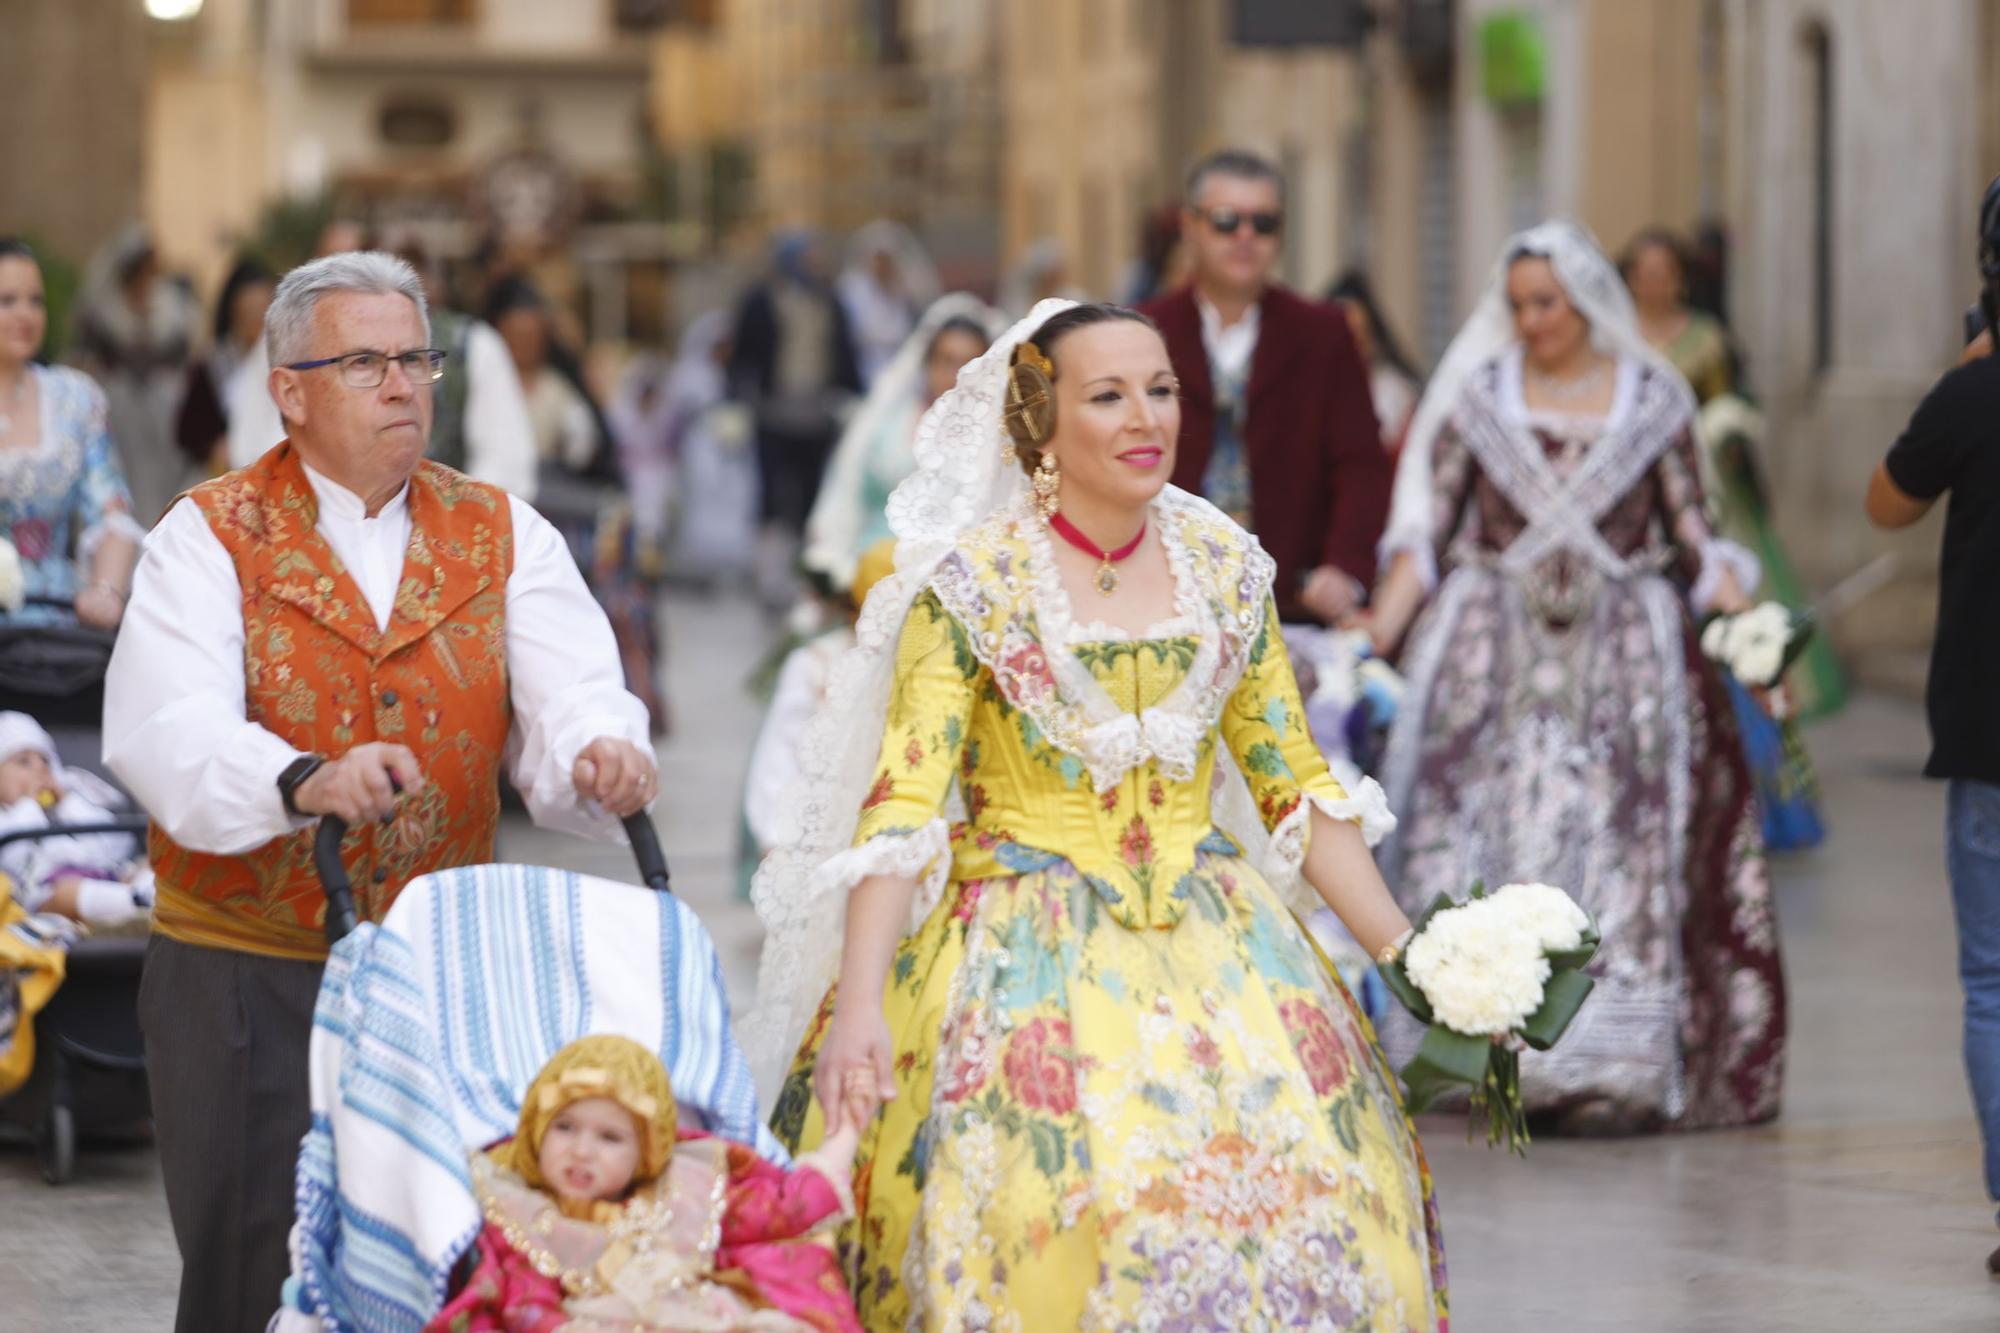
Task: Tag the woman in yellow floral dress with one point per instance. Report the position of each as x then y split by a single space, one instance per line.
1120 1087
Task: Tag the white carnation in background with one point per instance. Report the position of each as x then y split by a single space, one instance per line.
1752 643
1757 649
13 582
1715 638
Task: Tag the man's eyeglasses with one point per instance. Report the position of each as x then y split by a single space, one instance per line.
1226 221
367 370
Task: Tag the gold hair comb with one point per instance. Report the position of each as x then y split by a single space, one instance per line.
1027 353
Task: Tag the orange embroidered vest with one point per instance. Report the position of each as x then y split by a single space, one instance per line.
321 676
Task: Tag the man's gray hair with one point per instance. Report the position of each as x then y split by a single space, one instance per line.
288 323
1236 162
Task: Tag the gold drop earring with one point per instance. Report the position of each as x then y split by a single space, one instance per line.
1044 481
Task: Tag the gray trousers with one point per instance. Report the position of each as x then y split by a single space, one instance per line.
226 1035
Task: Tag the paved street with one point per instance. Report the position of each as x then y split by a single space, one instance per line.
1860 1210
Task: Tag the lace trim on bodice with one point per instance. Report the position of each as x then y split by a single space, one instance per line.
1366 805
1563 509
1101 631
44 471
922 854
1022 628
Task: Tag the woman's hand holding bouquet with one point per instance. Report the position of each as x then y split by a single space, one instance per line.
1499 971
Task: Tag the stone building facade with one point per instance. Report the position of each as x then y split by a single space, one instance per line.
73 101
1840 145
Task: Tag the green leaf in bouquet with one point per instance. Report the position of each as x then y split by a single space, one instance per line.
1585 950
1561 998
1445 1060
1804 625
1398 982
1442 903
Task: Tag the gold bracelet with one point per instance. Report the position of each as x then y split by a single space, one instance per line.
1394 948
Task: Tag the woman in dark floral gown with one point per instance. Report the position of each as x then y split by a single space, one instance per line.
1561 724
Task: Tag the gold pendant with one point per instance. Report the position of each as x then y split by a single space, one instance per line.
1107 579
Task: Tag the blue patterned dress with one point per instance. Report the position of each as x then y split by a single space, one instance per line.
63 494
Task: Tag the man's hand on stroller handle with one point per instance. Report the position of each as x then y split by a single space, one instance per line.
616 774
361 785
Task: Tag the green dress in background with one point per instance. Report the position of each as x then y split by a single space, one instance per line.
1731 433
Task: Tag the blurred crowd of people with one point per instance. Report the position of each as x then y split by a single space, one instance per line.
1534 530
763 450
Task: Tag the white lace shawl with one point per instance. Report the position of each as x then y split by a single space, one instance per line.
1593 286
833 533
800 890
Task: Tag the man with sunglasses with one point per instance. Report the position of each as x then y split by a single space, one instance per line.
339 629
1277 426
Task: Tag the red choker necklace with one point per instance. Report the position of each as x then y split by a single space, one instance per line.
1107 577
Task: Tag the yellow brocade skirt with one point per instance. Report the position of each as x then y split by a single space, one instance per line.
1098 1127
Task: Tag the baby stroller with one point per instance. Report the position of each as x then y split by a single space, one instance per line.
430 1026
90 1061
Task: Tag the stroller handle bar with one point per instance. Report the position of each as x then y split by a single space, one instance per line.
341 917
137 827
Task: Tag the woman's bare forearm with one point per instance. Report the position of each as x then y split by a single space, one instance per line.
1397 596
1342 871
111 564
878 910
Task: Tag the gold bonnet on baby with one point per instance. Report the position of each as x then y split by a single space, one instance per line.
604 1065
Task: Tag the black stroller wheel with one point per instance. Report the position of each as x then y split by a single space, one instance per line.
58 1145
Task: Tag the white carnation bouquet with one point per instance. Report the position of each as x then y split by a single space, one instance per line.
13 580
1758 645
1492 974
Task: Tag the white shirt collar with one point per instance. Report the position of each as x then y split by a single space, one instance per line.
1230 348
337 502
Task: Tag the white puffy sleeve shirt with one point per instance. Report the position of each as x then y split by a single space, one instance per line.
175 724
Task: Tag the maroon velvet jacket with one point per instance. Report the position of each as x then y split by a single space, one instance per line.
1319 477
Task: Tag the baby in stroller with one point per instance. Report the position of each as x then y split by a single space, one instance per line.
100 879
602 1213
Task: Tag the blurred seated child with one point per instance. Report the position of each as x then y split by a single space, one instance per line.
100 879
601 1214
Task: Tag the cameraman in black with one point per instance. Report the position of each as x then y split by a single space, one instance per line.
1952 444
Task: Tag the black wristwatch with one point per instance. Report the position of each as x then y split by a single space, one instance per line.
294 777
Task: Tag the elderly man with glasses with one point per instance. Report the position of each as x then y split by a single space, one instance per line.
1277 427
340 628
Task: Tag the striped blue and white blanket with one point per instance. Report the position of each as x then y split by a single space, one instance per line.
428 1031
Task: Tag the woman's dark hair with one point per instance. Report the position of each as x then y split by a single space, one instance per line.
1031 416
130 265
13 247
517 293
246 272
1354 286
1654 238
512 294
1060 326
960 324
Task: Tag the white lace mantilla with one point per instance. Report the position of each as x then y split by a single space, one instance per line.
1031 660
959 483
